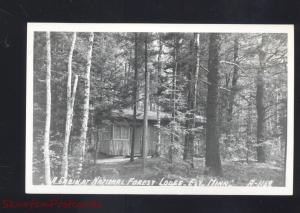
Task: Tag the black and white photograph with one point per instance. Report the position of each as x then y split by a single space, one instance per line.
159 109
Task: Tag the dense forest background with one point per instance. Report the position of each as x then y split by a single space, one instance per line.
237 82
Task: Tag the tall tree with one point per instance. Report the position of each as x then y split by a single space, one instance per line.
190 98
135 88
70 104
174 79
197 50
248 129
192 76
233 89
146 97
158 108
48 113
235 76
212 155
86 104
260 105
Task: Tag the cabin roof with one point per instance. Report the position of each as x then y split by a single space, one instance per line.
152 115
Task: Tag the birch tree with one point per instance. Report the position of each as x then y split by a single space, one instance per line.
85 117
48 113
70 104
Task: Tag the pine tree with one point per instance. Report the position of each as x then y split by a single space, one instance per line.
146 98
260 105
158 109
174 79
235 76
135 88
212 156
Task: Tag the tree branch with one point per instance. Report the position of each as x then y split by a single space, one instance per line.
205 69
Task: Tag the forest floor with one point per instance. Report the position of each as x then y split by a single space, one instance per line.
234 173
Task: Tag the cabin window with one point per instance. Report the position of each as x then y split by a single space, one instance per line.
125 133
117 132
121 132
106 133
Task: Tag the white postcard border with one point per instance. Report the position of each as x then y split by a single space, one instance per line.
168 190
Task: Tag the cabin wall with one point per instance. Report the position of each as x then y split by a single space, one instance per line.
139 138
104 139
110 143
114 140
120 143
138 141
152 141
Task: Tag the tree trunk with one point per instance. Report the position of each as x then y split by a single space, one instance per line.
48 113
197 49
96 145
260 105
158 145
70 97
230 98
284 132
127 68
134 97
189 137
145 126
249 130
173 102
192 100
233 90
212 155
125 73
85 117
129 65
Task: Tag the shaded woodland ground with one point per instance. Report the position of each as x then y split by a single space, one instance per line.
236 173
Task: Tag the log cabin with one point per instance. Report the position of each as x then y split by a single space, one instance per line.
114 133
